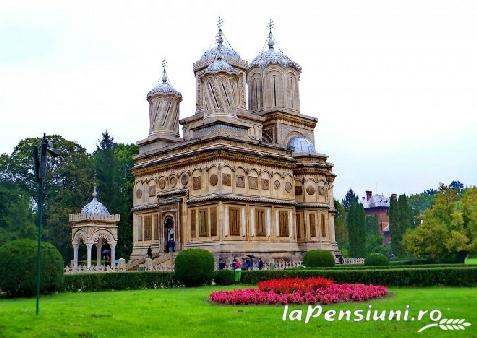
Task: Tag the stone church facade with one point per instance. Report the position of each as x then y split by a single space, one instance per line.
245 178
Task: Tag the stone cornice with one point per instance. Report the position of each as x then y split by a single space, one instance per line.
291 118
239 198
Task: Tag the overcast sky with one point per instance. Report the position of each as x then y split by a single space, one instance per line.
393 83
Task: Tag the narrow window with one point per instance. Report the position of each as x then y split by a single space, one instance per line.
139 229
323 226
274 90
260 222
298 226
234 221
156 227
148 228
213 221
203 223
312 225
192 224
283 223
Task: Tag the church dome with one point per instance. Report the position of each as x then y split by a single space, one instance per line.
272 56
163 87
301 145
219 65
95 207
227 53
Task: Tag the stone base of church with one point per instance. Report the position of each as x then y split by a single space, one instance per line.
227 251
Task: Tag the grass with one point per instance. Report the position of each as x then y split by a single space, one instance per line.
471 261
186 312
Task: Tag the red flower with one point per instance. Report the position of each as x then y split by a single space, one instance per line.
299 291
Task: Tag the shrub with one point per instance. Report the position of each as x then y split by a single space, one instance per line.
376 259
194 267
318 258
452 276
224 277
119 281
18 268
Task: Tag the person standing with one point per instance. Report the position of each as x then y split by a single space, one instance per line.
149 252
260 264
238 270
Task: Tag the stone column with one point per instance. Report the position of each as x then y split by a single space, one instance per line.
98 254
113 253
89 246
75 256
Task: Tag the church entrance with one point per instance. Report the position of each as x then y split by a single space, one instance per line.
169 238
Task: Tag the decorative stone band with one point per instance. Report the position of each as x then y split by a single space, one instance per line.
234 197
94 217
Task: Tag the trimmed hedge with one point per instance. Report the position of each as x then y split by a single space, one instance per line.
18 268
119 281
224 277
318 258
194 267
388 277
376 259
362 266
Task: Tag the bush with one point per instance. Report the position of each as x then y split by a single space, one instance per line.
194 267
452 276
376 259
119 281
224 277
18 268
318 258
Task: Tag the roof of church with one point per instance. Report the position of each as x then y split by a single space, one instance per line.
95 207
219 65
273 56
163 87
301 145
375 201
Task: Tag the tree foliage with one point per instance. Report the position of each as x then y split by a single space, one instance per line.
356 224
341 230
449 228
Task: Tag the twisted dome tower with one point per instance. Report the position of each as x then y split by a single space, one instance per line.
273 80
220 79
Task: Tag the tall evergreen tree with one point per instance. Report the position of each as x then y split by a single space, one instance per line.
341 230
394 225
113 166
356 223
349 199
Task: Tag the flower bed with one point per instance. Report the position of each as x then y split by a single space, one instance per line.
292 291
290 285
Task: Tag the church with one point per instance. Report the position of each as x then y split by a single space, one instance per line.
245 177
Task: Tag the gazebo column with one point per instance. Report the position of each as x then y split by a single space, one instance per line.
99 245
89 246
75 256
113 253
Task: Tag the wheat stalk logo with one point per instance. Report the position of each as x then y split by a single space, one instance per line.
448 325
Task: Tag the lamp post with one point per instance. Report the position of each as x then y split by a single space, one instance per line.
39 163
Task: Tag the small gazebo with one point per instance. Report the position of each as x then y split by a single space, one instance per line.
94 226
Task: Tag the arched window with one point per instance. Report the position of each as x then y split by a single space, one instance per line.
323 226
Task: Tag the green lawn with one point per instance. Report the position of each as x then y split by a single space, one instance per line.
187 313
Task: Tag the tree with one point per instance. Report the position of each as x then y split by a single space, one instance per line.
448 229
374 239
349 199
418 203
113 167
456 185
394 225
16 214
68 184
356 225
341 231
